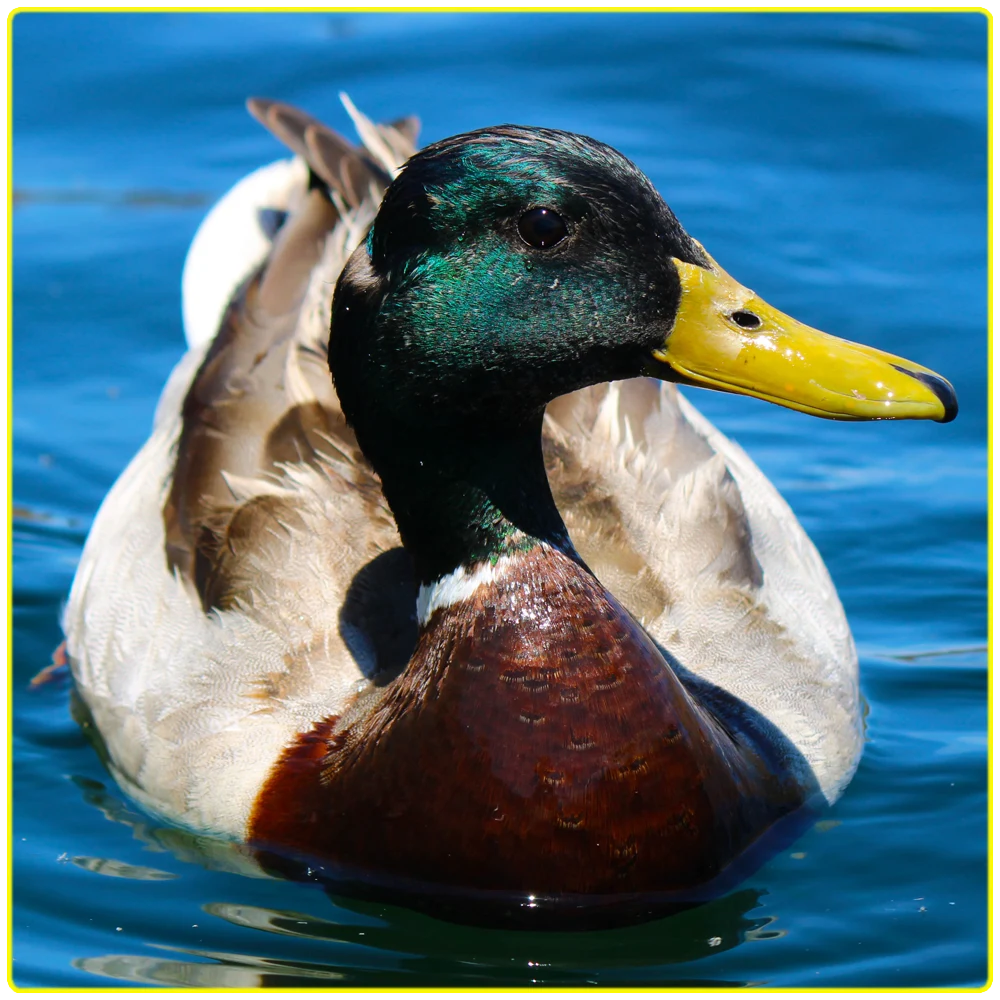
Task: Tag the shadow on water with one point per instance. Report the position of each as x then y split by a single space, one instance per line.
362 937
446 952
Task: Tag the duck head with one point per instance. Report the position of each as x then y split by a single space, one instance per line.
511 265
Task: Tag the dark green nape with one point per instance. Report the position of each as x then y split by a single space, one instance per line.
455 323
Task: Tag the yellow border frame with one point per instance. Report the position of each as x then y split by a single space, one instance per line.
511 9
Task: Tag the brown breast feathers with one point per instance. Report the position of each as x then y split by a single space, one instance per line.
537 742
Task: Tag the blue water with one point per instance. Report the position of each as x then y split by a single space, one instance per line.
835 163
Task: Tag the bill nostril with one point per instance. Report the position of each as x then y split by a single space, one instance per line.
746 319
940 387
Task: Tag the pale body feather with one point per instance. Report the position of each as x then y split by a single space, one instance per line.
195 708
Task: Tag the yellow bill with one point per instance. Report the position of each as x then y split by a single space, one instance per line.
725 337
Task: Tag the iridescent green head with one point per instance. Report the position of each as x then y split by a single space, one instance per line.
506 267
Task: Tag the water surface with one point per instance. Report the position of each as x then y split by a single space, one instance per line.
835 163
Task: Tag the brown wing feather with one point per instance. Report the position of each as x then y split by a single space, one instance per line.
401 136
340 166
344 167
238 394
284 122
408 128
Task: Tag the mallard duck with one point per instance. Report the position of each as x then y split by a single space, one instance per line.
494 608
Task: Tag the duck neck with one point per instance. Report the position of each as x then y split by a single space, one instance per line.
470 495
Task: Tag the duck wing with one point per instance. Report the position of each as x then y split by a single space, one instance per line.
261 408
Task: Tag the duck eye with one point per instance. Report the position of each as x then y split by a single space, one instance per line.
542 228
748 320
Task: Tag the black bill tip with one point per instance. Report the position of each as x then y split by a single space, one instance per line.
940 387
